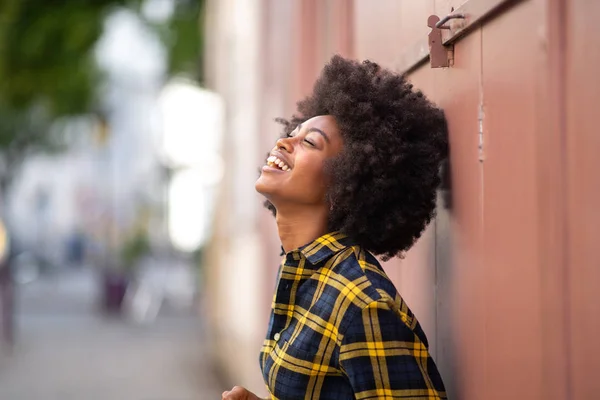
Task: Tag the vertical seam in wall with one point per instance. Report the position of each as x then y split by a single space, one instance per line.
436 259
481 162
562 106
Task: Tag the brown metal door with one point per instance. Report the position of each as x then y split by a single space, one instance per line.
582 159
512 275
487 271
461 326
487 276
511 262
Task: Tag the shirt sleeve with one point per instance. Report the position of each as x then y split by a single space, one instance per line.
384 359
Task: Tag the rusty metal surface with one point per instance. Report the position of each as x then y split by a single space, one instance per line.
510 257
552 189
582 143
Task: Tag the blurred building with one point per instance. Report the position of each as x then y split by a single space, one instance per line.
503 281
110 175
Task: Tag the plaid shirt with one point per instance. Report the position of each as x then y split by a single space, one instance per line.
340 330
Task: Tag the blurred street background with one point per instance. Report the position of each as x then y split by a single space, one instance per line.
109 157
137 261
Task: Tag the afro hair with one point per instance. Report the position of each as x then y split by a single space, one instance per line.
384 181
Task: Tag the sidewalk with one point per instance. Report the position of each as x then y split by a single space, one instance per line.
81 355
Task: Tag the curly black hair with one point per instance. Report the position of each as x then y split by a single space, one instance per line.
384 181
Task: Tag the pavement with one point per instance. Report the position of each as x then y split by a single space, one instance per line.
66 349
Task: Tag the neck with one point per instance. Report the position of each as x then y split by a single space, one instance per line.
298 227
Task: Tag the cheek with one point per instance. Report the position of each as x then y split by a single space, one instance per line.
310 170
310 180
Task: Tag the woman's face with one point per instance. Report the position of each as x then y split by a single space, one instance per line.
294 171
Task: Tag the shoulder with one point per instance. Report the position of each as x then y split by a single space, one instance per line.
365 288
360 271
360 281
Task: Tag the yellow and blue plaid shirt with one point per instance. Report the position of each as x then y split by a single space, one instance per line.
340 330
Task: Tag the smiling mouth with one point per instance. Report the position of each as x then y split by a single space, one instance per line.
275 162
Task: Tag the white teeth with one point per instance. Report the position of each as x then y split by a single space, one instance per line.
274 161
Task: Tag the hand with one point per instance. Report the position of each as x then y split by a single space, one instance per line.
239 393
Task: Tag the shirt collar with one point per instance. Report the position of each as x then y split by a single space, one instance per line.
325 246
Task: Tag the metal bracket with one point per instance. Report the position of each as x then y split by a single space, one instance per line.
474 12
441 56
440 24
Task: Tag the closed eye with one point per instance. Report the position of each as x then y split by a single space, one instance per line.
309 142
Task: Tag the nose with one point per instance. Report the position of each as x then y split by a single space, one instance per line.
285 144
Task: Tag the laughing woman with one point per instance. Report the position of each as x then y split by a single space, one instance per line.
354 176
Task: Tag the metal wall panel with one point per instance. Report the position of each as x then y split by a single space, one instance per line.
487 280
385 28
415 279
445 7
461 296
582 143
551 183
510 258
306 44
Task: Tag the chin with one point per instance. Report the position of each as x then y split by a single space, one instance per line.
263 187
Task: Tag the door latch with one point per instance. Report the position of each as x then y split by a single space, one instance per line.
440 56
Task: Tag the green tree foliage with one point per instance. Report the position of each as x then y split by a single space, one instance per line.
182 36
46 69
186 47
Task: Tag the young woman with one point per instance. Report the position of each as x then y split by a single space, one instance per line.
353 176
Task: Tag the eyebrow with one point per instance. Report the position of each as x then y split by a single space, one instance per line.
315 130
